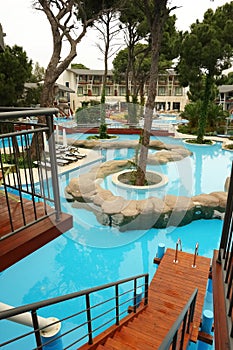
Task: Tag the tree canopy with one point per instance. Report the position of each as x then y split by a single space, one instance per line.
15 70
205 52
69 21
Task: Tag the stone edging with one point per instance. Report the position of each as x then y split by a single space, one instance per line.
110 210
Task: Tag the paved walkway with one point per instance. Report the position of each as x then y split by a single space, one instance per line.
91 157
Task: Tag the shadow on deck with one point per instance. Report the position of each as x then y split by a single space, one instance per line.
16 245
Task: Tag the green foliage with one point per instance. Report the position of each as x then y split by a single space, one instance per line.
38 74
225 79
215 118
94 8
31 96
23 160
195 141
103 131
136 58
103 134
88 115
205 52
15 70
78 66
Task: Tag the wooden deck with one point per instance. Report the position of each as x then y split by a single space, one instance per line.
174 283
34 235
221 335
169 291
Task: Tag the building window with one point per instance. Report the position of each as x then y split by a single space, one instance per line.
82 79
162 91
95 91
178 91
80 90
162 80
108 91
97 79
122 91
176 106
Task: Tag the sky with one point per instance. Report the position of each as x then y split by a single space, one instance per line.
30 29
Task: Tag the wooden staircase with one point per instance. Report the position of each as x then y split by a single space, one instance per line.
169 291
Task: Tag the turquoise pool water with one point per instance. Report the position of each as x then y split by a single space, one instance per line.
91 255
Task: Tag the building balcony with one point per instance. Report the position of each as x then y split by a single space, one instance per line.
30 212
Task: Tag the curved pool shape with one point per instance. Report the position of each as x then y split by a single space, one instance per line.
91 254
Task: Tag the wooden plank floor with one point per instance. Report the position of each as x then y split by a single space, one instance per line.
17 208
30 238
221 335
169 291
173 285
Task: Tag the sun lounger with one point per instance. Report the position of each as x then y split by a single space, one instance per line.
46 165
70 158
79 155
61 161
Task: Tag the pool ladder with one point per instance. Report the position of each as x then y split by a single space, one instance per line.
178 243
195 255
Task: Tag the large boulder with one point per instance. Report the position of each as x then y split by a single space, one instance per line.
165 156
101 196
83 187
222 197
114 205
86 192
207 204
111 167
131 209
181 208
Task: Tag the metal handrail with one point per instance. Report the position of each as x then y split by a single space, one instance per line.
16 136
225 255
185 318
195 255
178 243
117 303
14 113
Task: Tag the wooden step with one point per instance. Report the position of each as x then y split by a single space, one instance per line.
105 347
113 343
135 338
172 286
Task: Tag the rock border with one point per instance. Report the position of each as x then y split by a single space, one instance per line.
116 211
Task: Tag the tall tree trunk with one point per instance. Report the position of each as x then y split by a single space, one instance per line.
103 93
204 108
156 29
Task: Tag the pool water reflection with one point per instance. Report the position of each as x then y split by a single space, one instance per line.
91 254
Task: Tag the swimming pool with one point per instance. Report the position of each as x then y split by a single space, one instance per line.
90 254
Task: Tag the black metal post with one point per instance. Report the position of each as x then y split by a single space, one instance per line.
135 295
146 289
36 329
88 308
54 171
227 218
117 304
